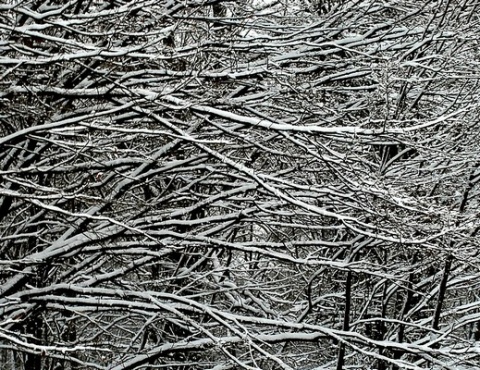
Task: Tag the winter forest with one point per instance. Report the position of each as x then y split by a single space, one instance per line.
257 184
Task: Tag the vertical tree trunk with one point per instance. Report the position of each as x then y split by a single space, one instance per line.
381 327
410 302
346 320
441 293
